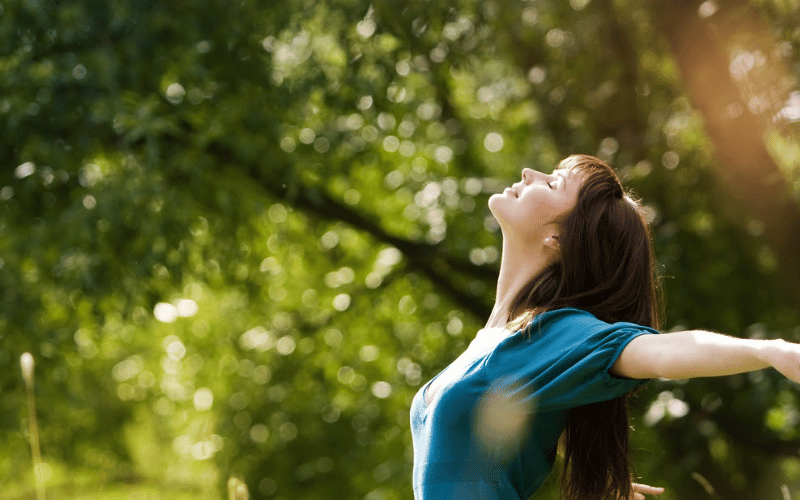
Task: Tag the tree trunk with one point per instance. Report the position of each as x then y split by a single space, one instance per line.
744 166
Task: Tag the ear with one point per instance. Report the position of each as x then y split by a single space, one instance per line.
552 242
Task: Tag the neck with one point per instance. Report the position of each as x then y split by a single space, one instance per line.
518 264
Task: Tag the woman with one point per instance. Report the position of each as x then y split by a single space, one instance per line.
572 331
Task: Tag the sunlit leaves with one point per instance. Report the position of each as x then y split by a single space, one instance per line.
220 231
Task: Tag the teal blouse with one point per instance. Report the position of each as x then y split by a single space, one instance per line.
492 428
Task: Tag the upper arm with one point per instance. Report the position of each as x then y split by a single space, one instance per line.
640 358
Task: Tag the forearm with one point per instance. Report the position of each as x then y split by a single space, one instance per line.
698 353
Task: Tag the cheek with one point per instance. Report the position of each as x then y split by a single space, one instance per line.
535 209
543 209
539 215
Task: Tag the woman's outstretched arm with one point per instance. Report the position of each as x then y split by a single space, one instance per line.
697 353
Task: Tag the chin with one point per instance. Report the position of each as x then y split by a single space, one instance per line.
495 206
494 200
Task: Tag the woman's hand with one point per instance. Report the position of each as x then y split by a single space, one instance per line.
784 357
640 490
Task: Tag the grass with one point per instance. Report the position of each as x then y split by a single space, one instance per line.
87 486
161 475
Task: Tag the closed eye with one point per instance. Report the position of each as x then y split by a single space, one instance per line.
550 184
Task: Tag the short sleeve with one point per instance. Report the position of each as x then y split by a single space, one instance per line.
562 360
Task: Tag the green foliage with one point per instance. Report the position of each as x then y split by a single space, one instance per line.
238 238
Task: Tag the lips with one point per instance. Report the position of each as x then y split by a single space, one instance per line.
510 191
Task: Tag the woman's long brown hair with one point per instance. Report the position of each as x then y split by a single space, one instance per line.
606 268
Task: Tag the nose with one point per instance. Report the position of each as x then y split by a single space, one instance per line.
528 174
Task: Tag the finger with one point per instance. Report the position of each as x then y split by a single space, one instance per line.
638 496
649 490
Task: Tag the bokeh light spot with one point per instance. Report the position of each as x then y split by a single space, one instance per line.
368 353
364 103
493 142
333 337
455 326
288 144
165 313
381 390
174 348
186 308
287 431
665 405
257 338
203 399
366 28
341 302
670 160
307 135
443 154
24 170
391 144
175 93
285 345
536 75
259 433
127 368
79 71
707 9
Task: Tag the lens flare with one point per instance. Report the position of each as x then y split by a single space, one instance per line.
503 419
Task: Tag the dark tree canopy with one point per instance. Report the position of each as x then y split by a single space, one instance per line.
238 237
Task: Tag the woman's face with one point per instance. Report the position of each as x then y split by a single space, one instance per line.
526 207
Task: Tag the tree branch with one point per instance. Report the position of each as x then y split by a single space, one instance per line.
425 258
429 260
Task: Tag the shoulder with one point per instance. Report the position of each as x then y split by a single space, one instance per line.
578 324
564 318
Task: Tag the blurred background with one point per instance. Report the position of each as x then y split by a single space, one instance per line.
237 237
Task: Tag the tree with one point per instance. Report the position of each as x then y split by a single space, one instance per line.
237 240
